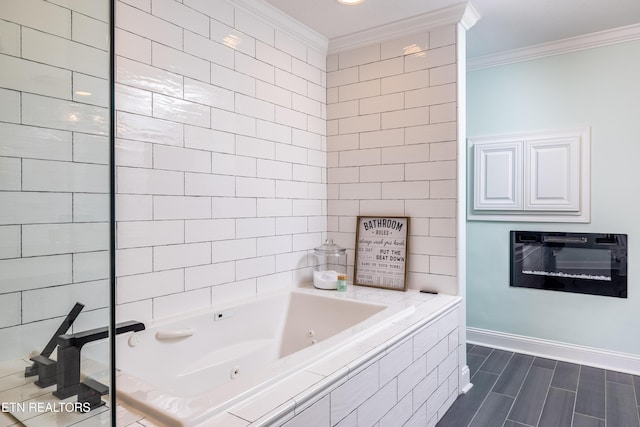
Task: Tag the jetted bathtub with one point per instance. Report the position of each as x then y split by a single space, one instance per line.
184 371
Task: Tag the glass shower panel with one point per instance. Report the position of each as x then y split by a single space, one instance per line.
54 195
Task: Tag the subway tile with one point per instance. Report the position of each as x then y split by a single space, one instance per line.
177 110
382 207
432 95
404 82
255 267
207 94
147 181
332 62
306 71
64 53
233 80
10 174
370 122
150 285
434 57
431 171
270 55
445 189
34 208
148 26
342 77
34 142
378 405
225 34
233 250
424 389
443 113
405 45
133 153
317 224
90 266
253 107
443 151
288 117
380 69
307 207
315 57
419 264
10 35
148 129
255 187
228 207
441 227
18 274
405 190
209 275
182 16
90 207
306 139
274 169
340 110
418 153
141 311
254 68
405 118
343 142
442 36
147 77
360 157
232 291
11 311
255 227
232 122
343 207
272 245
443 75
292 189
227 164
274 207
179 207
318 158
62 114
132 46
291 225
51 18
271 132
255 27
293 47
53 239
171 305
306 105
272 93
353 393
9 105
210 140
134 207
307 173
399 414
438 132
359 56
52 302
382 173
307 241
292 83
377 104
289 153
134 261
360 191
133 100
181 159
179 62
43 175
395 361
443 246
317 92
204 230
149 233
89 31
220 9
442 265
202 184
10 245
359 90
177 256
332 95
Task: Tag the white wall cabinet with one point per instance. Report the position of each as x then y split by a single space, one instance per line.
530 177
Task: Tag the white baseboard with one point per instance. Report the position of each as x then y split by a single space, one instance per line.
599 358
465 380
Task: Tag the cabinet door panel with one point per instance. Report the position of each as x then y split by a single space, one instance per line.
498 183
552 174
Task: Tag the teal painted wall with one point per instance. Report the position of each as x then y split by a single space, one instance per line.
599 88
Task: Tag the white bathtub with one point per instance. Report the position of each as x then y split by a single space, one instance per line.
184 371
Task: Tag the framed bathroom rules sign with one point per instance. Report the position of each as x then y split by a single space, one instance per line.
381 252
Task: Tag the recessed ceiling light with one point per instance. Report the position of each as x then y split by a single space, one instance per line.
350 2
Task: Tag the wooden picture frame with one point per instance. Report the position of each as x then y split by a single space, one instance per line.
382 248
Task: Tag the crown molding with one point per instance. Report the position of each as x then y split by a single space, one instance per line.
462 13
283 22
571 44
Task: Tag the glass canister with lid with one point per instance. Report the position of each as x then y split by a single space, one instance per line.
330 261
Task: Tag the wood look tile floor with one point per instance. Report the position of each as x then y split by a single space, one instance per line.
518 390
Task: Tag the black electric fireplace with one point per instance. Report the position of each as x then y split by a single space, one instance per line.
587 263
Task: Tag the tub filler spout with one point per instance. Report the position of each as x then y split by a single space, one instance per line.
69 347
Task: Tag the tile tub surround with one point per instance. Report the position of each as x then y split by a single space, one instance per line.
408 371
221 155
54 186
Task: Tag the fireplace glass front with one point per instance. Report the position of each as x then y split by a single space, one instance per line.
588 263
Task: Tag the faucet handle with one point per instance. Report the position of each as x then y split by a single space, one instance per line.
90 392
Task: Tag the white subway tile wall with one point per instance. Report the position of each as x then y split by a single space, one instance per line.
54 175
391 147
221 165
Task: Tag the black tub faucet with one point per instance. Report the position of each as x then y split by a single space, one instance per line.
69 346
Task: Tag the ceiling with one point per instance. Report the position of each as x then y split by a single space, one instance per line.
504 24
